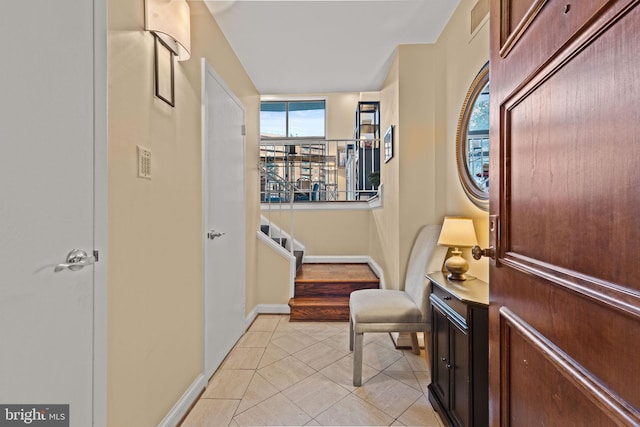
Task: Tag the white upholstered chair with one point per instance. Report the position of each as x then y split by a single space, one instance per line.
385 310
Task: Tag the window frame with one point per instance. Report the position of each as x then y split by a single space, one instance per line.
478 196
288 101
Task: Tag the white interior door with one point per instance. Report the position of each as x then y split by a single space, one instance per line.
48 128
223 219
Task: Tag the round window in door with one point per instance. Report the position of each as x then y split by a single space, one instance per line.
472 141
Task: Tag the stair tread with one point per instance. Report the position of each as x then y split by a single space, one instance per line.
336 273
336 301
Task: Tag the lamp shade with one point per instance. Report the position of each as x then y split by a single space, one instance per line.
457 232
170 20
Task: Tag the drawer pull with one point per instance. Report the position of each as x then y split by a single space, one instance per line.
447 298
448 366
444 359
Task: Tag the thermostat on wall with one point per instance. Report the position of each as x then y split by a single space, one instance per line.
144 162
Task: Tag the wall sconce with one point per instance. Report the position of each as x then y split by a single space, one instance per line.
457 233
170 23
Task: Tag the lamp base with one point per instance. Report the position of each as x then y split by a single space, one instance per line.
456 266
457 277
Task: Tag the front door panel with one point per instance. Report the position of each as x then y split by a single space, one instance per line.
565 291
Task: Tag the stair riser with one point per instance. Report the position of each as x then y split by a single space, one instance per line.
322 291
324 314
337 289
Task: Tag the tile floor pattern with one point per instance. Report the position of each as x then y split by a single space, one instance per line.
283 373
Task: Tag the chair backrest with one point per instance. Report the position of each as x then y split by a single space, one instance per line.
424 249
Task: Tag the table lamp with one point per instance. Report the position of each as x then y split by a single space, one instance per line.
457 233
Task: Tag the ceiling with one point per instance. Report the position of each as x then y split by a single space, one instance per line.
302 47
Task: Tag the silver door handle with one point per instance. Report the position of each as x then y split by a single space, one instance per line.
77 259
213 234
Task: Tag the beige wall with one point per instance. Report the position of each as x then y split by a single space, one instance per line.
409 102
155 268
333 232
422 95
274 276
463 55
385 249
418 179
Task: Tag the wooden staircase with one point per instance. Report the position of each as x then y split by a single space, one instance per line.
322 290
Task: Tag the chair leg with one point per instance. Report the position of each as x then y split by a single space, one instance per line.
350 334
357 360
415 346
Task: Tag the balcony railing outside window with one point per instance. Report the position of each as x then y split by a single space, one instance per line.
319 170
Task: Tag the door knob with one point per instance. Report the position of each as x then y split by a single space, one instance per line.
77 259
494 239
478 252
213 234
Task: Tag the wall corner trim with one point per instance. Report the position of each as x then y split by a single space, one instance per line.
185 402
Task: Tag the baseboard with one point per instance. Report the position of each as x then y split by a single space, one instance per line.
183 405
265 309
350 259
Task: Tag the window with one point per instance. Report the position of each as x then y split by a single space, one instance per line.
292 119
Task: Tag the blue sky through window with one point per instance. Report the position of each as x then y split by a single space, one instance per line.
306 119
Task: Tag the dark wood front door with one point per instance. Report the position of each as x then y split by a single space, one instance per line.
565 189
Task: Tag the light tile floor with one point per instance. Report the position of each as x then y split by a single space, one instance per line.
283 373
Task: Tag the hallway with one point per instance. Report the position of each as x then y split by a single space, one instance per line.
298 373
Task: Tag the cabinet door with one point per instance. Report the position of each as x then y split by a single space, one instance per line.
459 405
440 362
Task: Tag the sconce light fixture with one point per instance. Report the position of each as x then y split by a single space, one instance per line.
457 233
170 21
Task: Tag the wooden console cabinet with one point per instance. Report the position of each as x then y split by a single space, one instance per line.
459 388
